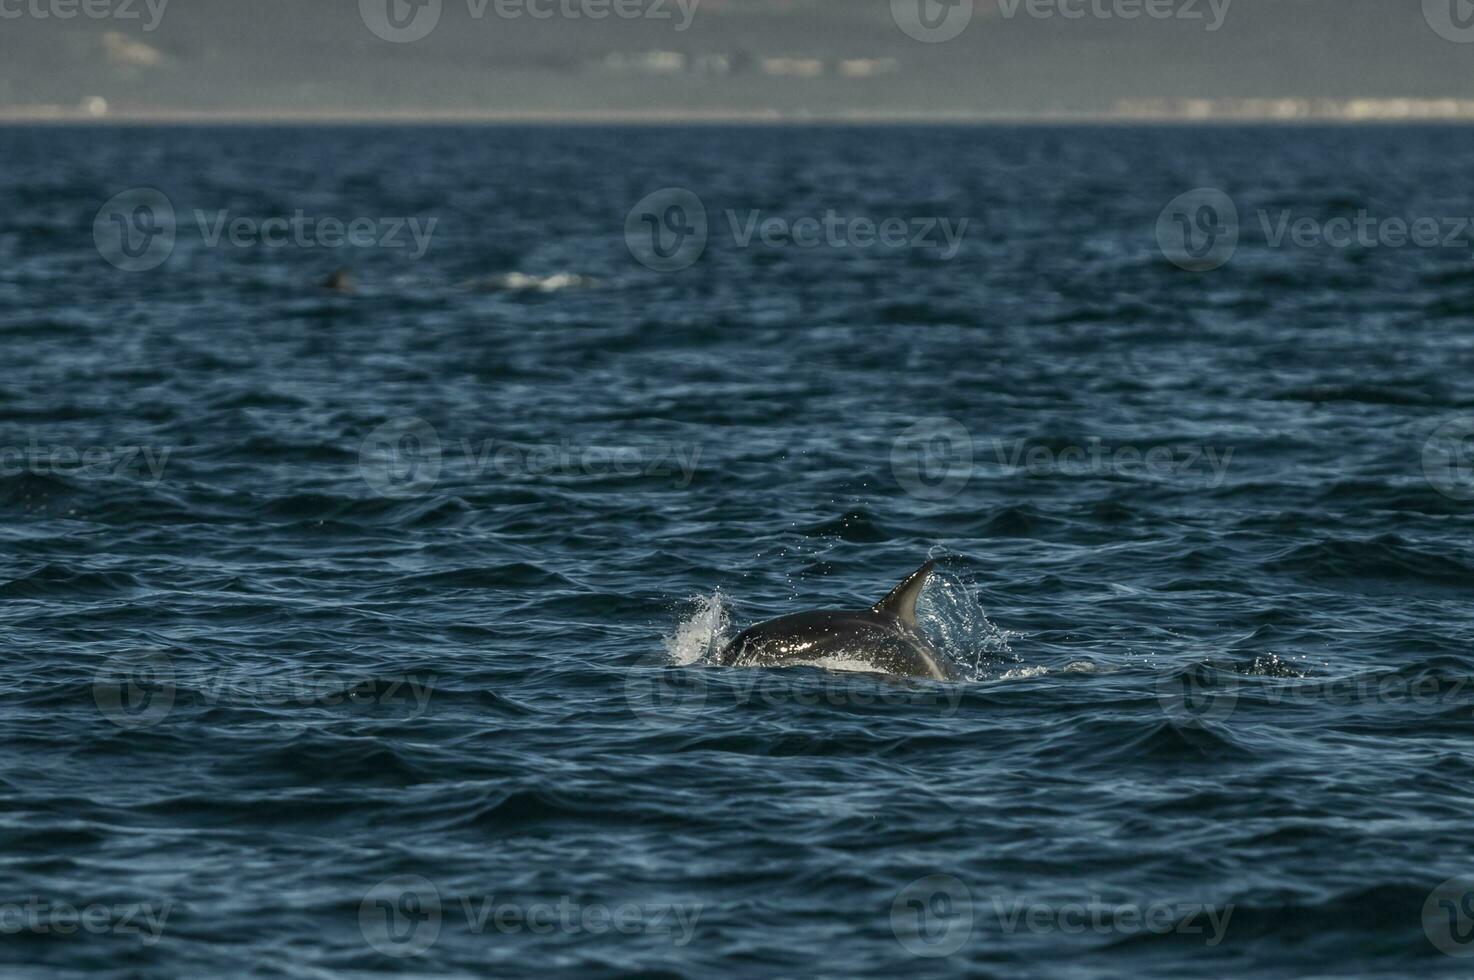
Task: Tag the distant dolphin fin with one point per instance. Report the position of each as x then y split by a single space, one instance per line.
901 603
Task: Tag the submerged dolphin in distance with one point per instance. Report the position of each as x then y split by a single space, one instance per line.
341 281
885 636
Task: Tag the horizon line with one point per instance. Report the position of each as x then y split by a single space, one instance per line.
10 116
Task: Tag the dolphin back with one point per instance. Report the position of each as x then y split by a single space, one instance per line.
885 635
901 603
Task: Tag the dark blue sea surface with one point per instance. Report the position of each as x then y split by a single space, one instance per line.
367 632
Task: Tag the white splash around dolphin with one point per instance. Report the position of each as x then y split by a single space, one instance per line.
948 611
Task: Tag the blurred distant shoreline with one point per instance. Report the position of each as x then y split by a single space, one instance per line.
1167 111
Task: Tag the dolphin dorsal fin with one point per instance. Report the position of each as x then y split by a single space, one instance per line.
901 603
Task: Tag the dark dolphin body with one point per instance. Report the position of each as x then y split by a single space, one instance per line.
885 636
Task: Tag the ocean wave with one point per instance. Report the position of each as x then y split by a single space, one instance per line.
1386 556
1410 393
59 581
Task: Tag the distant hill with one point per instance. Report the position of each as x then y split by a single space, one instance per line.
795 58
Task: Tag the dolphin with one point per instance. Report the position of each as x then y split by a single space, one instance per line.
885 636
341 281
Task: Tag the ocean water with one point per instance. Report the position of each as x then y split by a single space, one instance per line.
365 633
